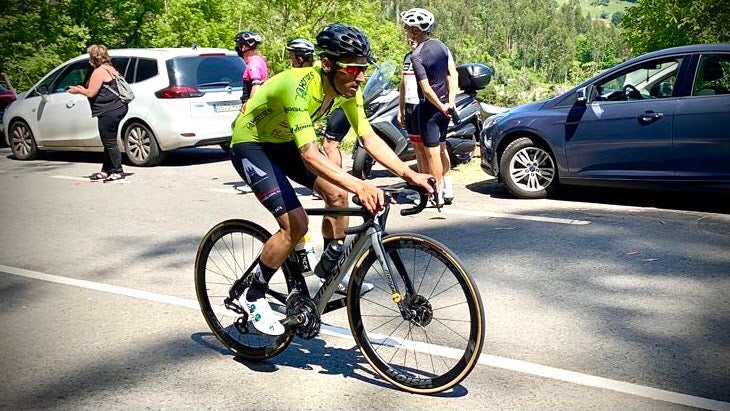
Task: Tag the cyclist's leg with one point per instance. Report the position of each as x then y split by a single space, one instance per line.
414 135
262 164
432 122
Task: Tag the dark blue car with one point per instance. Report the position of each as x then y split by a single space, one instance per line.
661 120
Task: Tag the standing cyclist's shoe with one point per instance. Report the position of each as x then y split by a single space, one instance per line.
261 315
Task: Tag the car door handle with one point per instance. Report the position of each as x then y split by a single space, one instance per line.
649 117
70 104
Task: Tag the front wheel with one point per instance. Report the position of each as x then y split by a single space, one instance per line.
22 142
431 340
528 170
224 255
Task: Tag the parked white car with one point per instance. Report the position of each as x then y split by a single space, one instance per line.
183 98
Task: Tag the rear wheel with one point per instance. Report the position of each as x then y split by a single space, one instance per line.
528 169
141 146
436 342
22 142
224 255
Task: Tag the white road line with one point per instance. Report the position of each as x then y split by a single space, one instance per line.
71 178
448 210
484 359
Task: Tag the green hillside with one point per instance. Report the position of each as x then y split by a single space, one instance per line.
604 9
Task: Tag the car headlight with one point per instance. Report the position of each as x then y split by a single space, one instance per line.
491 122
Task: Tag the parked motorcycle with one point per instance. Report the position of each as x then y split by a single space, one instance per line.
381 107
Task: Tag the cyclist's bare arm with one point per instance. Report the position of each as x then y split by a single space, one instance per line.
371 197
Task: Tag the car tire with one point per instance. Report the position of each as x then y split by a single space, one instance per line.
528 170
141 146
22 141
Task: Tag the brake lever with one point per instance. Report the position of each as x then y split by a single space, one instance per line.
424 198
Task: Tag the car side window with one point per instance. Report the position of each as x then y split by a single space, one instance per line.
76 73
121 64
146 68
653 79
45 86
713 75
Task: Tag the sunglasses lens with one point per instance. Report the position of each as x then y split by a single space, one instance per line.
353 70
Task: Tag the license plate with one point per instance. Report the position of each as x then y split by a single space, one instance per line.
223 108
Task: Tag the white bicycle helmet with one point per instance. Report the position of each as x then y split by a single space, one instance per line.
421 18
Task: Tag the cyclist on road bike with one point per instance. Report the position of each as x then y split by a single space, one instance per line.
275 139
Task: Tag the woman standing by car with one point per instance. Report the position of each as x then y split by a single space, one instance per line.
107 107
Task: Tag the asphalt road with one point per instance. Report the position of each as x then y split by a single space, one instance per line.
600 299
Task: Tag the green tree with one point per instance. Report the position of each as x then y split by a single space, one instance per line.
657 24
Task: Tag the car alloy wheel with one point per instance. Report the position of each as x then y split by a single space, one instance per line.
530 169
141 146
22 142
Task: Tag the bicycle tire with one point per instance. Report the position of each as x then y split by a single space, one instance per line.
424 358
223 256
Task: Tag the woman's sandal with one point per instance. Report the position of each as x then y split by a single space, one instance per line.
114 177
98 176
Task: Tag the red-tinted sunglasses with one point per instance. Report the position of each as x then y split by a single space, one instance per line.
352 69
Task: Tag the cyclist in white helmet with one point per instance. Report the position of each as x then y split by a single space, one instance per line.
437 80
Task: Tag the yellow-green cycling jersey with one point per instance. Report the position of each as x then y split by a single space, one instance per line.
286 106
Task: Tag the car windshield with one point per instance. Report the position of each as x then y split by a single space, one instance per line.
213 71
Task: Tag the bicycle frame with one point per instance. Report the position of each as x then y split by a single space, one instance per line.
365 235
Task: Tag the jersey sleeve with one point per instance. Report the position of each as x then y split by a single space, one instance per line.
418 69
354 109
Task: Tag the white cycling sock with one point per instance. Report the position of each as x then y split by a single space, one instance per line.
448 186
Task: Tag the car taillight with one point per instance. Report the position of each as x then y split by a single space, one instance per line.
179 92
7 96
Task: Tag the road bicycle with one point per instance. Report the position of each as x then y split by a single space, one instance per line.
421 327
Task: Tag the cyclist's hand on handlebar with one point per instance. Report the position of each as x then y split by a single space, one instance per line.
421 180
371 197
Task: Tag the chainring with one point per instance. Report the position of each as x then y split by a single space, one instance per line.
303 305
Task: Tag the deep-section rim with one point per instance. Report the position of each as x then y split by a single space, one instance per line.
473 349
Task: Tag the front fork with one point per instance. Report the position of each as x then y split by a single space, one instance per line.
387 265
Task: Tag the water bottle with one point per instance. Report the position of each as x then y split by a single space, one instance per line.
329 259
304 251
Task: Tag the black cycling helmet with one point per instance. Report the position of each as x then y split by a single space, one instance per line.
301 46
248 38
338 40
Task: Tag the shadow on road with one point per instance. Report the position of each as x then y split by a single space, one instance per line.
303 354
703 201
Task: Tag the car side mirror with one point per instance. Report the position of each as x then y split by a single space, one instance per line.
42 89
585 94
